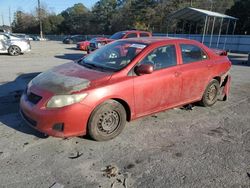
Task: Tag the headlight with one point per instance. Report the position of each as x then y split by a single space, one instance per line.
58 101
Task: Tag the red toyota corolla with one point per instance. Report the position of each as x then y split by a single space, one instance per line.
122 81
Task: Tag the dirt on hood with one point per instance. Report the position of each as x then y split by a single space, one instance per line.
59 83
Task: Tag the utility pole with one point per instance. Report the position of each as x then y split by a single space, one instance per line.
2 19
191 3
40 19
10 16
211 8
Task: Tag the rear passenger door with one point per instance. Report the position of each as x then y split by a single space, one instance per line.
195 71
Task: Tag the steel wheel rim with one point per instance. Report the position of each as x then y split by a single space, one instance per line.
108 122
212 93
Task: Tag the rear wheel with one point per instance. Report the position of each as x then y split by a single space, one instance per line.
107 121
14 50
210 95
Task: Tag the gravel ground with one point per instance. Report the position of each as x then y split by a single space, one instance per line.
203 147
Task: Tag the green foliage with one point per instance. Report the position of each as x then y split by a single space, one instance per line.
241 10
52 23
75 19
109 16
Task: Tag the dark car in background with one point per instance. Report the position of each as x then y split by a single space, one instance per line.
93 45
73 39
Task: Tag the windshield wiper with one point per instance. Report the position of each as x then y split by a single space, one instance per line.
88 65
94 66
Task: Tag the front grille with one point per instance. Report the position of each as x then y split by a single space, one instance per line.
33 98
29 120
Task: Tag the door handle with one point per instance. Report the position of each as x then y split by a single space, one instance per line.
209 65
177 74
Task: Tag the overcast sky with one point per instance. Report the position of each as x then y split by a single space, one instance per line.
29 5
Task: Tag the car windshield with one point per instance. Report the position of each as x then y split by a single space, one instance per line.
13 35
113 57
118 35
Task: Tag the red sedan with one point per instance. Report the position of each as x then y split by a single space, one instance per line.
84 45
122 81
95 44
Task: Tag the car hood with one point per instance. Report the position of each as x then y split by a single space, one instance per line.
69 78
104 40
83 42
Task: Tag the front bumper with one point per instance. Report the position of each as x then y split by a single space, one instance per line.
225 87
74 118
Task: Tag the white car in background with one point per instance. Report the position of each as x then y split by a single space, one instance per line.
13 45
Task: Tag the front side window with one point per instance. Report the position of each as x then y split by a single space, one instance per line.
114 56
192 53
161 57
118 35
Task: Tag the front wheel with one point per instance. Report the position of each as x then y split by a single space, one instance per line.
107 121
14 50
210 95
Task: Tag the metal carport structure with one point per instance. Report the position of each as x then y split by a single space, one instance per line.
194 15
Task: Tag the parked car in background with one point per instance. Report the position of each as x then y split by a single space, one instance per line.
75 38
97 94
84 45
35 37
27 37
13 45
119 35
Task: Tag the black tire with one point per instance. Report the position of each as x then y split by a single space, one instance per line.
14 50
107 121
211 93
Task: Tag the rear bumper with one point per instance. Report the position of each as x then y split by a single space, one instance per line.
225 88
26 49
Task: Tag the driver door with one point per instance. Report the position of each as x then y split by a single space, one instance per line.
3 42
160 89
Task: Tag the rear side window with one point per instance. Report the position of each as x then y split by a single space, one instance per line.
192 53
131 35
144 35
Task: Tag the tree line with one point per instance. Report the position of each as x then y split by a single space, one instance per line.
109 16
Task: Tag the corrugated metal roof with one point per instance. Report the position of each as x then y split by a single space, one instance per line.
195 14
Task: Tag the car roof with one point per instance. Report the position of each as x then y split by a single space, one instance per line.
151 40
133 31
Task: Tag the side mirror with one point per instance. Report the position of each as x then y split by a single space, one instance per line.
144 69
